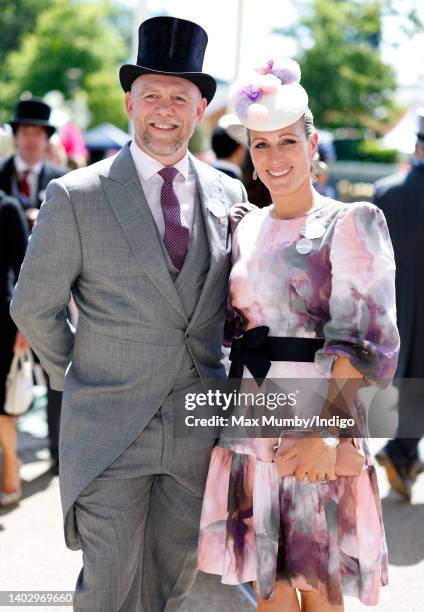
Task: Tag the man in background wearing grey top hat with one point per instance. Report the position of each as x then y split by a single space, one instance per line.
142 242
401 197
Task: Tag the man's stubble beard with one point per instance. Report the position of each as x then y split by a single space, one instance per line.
166 149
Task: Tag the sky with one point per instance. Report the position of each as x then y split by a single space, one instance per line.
219 18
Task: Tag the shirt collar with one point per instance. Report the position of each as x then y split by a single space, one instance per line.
147 167
22 166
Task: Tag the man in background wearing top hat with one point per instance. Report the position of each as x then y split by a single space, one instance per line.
401 198
142 241
26 174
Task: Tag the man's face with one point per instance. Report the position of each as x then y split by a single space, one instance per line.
165 110
31 143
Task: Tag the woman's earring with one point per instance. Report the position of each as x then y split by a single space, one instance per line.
255 175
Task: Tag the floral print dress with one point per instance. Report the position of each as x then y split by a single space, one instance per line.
256 525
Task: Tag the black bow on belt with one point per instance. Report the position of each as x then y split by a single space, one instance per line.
249 350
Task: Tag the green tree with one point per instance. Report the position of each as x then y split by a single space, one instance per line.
72 44
17 18
106 98
342 69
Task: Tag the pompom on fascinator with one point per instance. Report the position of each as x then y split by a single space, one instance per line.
271 97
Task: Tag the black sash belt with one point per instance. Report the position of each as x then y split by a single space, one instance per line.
255 350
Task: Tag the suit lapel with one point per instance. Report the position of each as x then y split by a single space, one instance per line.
214 208
126 197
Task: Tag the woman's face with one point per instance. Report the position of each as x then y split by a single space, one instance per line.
283 158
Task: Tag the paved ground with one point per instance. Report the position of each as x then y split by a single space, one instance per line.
33 555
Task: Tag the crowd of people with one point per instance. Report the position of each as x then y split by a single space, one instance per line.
141 252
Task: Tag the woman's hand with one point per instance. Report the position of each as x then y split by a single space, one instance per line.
237 212
21 343
315 459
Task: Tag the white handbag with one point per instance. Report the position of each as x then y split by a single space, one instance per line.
20 384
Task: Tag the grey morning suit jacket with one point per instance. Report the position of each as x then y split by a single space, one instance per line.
96 238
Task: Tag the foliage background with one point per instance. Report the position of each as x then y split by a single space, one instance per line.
77 46
72 46
339 50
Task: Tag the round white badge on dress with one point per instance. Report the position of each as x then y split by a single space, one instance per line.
304 246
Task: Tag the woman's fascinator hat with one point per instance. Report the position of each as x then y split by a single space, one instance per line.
270 97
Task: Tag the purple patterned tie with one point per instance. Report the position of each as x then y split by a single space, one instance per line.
177 234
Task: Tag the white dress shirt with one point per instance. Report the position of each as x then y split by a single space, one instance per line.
184 185
32 178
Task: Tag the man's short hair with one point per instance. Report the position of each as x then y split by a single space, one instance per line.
222 144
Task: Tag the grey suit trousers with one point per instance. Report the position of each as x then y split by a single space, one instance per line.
138 521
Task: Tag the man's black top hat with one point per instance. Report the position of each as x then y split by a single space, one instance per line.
32 112
171 46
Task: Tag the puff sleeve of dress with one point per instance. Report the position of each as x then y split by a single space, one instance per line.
362 306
